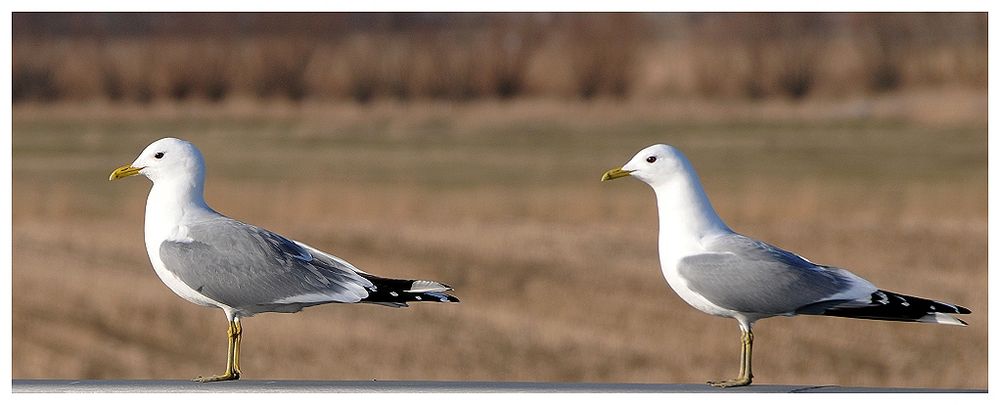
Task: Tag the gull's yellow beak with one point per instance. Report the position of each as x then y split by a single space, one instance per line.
615 173
123 172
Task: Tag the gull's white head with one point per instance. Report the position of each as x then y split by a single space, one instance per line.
167 158
655 165
684 209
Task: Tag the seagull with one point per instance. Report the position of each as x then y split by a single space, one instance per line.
216 261
723 273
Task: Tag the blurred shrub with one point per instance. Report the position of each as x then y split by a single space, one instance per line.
129 57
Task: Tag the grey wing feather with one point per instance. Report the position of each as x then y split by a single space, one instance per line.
244 266
746 275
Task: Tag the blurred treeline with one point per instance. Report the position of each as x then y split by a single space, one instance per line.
131 57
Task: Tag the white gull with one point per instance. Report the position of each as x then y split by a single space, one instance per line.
723 273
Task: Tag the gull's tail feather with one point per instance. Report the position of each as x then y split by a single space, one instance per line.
396 293
889 306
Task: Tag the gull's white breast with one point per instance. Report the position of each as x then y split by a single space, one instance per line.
163 222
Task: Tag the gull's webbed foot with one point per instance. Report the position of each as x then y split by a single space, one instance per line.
228 376
736 382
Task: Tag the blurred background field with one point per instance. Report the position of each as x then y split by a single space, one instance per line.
467 148
144 58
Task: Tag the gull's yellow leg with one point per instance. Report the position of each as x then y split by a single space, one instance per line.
748 338
231 372
746 376
743 357
236 350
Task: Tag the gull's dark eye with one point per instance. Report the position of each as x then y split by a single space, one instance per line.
158 155
651 159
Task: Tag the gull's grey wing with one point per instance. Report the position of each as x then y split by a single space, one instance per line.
746 275
244 266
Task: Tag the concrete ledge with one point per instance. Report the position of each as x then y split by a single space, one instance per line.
262 386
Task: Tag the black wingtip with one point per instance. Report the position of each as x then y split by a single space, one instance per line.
397 292
890 306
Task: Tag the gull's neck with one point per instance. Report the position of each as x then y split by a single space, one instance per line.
686 215
173 202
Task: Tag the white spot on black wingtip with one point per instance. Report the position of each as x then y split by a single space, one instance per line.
932 307
393 293
419 298
880 298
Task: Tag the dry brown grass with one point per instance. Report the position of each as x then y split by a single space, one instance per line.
363 57
558 273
